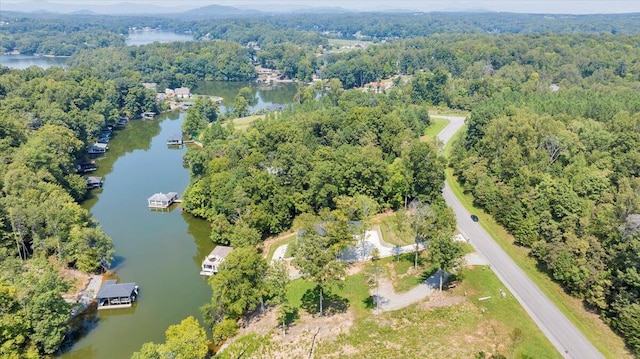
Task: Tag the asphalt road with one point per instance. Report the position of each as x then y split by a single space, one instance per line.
561 332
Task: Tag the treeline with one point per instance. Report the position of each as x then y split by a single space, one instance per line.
561 173
254 183
170 65
401 25
54 35
480 64
47 118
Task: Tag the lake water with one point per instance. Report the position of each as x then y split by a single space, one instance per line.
160 251
149 37
21 62
135 38
266 97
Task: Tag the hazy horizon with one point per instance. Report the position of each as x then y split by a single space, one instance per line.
524 6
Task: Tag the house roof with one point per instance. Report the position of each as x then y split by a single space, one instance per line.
111 290
182 91
100 145
163 196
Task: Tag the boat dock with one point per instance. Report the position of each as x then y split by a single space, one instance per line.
211 262
175 140
94 182
162 200
114 296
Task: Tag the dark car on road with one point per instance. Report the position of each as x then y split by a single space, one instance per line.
474 218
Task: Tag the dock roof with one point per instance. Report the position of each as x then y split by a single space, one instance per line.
112 290
221 251
217 255
163 196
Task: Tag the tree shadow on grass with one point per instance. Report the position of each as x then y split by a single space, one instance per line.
331 303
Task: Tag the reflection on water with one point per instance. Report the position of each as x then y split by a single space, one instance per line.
148 37
21 62
160 251
278 94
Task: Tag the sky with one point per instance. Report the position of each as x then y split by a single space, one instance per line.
521 6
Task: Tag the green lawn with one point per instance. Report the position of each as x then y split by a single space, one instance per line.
389 232
596 331
340 45
242 123
437 125
279 243
414 332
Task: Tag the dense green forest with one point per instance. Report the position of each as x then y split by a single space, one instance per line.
554 124
170 65
47 118
300 161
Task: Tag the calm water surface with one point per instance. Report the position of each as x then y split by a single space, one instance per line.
160 251
148 37
21 62
266 96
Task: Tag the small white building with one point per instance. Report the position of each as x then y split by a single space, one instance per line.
212 262
162 200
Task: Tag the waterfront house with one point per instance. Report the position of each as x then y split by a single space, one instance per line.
98 148
113 295
211 263
182 92
94 182
148 115
162 200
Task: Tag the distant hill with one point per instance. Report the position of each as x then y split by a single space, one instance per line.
124 8
218 11
322 10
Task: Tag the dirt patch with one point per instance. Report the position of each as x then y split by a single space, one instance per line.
437 299
355 268
301 337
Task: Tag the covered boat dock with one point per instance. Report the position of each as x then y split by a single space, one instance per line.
162 200
113 295
211 263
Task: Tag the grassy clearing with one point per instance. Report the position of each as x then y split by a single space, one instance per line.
276 244
390 234
437 125
590 324
417 331
242 123
404 276
442 111
341 45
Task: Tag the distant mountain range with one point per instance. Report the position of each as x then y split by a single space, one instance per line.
137 8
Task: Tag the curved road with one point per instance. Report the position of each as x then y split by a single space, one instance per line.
561 332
